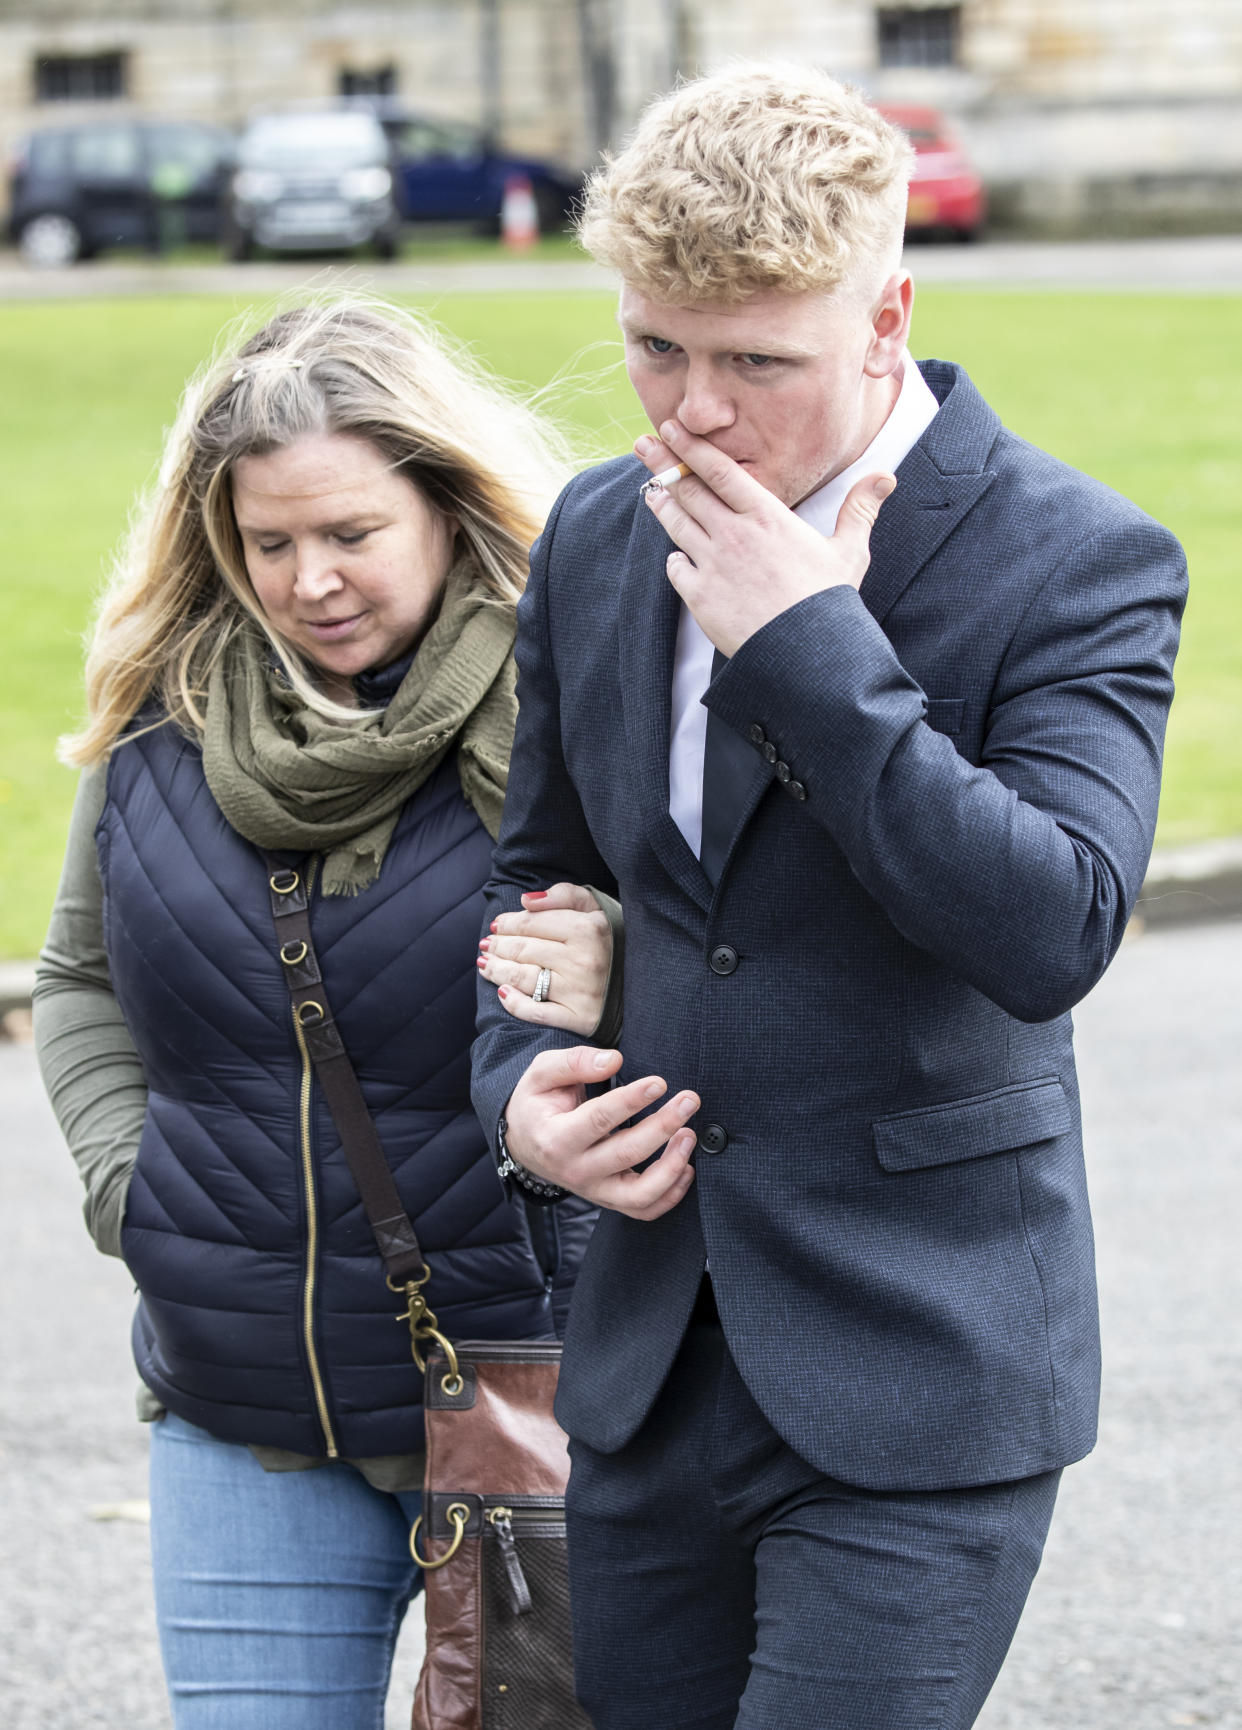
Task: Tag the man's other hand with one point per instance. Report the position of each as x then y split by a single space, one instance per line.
560 1135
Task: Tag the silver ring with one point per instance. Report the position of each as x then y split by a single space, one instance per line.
543 986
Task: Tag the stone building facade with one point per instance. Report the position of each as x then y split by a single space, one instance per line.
1082 114
220 60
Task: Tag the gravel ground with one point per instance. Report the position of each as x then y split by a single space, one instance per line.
1132 1624
1133 1621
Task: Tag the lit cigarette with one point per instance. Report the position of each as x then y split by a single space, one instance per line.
666 477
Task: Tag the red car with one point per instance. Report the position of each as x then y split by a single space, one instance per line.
946 194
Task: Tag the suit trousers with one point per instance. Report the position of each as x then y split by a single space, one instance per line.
719 1581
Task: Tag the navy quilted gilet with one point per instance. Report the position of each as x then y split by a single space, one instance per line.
263 1313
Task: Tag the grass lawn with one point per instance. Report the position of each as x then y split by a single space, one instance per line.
1140 390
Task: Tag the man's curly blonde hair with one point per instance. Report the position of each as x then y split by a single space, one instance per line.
753 179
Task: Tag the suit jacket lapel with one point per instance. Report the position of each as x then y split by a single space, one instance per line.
938 482
913 524
648 615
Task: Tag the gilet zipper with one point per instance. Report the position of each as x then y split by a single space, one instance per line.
312 1220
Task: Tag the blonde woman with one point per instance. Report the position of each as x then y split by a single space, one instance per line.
307 650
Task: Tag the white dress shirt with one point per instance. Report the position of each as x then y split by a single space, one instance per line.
908 420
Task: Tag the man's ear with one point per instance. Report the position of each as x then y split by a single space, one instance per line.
890 324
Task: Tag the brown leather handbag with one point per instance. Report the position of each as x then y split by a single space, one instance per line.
498 1636
496 1575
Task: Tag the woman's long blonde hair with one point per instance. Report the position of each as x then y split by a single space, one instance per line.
180 592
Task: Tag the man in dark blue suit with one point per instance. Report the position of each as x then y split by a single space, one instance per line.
877 827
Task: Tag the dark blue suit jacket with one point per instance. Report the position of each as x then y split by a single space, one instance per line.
898 1225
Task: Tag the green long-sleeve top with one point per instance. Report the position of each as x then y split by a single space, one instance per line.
91 1067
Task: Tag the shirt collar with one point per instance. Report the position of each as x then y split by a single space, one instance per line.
908 419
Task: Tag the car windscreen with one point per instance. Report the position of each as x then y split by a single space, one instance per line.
923 139
418 140
342 140
48 153
196 152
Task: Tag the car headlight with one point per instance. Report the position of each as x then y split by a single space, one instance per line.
367 183
257 185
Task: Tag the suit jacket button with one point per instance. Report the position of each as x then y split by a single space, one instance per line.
723 960
784 774
795 789
756 734
713 1138
770 752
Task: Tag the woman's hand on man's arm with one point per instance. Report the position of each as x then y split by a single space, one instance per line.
564 933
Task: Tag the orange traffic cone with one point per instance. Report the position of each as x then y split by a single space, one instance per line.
519 219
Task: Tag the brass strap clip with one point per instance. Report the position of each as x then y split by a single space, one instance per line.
424 1329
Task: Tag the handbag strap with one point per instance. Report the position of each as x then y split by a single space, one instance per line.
320 1038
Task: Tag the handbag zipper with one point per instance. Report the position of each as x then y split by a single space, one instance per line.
521 1351
312 1219
501 1522
501 1519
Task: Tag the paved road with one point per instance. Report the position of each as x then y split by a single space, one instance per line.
1133 1622
1197 264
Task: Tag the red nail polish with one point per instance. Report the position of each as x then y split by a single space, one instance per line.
493 925
502 992
482 961
485 943
535 895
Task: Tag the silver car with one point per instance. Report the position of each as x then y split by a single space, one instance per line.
313 183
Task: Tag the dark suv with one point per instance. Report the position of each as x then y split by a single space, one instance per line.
150 183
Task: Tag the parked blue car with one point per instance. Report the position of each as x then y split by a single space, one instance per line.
448 172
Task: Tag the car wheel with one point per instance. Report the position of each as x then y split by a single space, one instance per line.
238 246
386 243
51 241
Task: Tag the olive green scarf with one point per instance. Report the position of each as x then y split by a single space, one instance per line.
288 778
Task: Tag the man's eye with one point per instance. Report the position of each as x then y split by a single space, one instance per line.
758 360
660 345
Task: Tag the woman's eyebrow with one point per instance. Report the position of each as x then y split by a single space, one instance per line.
360 520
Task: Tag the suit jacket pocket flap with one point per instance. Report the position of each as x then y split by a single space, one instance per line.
996 1122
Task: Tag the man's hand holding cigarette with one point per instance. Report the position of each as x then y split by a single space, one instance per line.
745 557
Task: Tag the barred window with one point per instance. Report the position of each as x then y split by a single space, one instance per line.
919 35
80 77
379 81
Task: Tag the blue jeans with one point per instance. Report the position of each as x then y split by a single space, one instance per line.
278 1594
